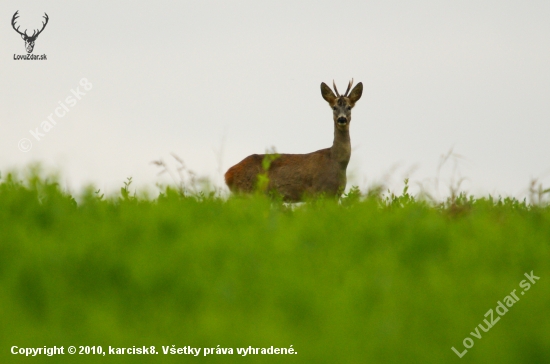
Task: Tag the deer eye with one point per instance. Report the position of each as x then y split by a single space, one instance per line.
349 108
334 108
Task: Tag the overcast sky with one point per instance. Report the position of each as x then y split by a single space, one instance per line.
215 81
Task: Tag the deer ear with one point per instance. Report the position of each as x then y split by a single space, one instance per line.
327 93
356 93
23 36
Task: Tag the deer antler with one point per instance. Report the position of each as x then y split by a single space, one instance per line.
34 33
349 87
335 89
43 26
15 16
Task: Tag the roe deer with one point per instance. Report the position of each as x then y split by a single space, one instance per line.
295 176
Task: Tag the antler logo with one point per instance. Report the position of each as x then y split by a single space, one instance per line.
29 40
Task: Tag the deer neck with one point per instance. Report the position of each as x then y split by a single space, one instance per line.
341 148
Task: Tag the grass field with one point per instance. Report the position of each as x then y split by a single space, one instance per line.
374 279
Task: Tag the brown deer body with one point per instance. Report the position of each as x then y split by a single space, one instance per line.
295 176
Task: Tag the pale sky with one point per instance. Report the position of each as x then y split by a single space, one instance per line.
216 81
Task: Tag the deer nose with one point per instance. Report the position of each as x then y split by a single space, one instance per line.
342 120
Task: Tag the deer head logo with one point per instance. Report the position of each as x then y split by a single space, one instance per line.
29 40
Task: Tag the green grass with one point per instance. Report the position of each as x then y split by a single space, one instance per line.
370 280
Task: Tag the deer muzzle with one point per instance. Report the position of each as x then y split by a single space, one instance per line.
342 120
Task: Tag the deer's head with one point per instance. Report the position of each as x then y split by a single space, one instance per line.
342 104
29 39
